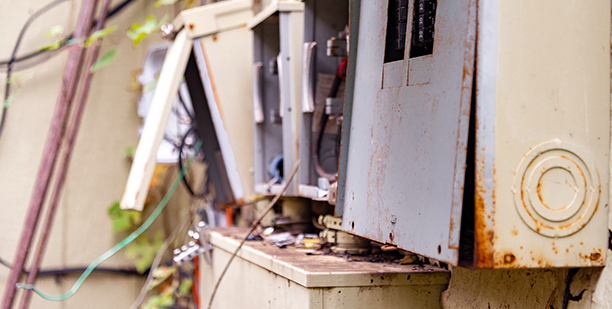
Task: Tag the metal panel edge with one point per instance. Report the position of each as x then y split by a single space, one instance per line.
486 84
463 129
354 9
227 151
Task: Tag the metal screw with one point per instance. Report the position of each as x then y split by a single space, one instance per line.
167 31
176 251
393 219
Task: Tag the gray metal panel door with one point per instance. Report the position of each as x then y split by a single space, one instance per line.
408 131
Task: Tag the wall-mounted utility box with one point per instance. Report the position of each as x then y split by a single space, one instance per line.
211 51
496 157
290 47
277 37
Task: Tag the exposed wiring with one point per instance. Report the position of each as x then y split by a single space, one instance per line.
106 255
180 163
49 53
157 261
13 59
5 263
7 84
253 227
340 74
70 270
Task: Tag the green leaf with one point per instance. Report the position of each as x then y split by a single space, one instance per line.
139 31
54 31
161 274
185 287
105 60
15 77
164 2
8 101
100 34
123 220
143 251
129 150
159 301
53 46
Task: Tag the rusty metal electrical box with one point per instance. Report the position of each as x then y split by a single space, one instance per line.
479 133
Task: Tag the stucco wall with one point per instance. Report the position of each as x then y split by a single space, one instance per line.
98 171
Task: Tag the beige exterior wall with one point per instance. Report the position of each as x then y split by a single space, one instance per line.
99 169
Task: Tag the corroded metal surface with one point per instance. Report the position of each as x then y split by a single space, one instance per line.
542 136
407 149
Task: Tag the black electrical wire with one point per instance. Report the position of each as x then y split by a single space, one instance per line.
118 8
7 89
180 164
340 74
70 270
9 63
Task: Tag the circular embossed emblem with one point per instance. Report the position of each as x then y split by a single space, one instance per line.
556 189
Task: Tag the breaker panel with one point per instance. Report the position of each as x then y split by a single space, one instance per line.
496 158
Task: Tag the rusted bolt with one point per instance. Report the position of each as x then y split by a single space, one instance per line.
393 219
595 256
388 248
509 258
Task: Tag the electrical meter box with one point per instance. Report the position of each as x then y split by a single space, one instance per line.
277 38
292 77
479 133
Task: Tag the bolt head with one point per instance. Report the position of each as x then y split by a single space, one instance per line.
167 31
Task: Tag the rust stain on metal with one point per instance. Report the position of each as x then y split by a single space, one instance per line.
191 26
212 80
388 247
484 236
514 232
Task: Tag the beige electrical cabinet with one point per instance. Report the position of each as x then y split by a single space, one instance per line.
212 51
542 134
478 132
